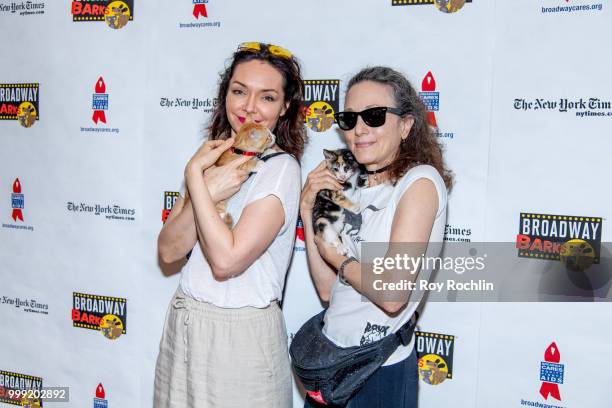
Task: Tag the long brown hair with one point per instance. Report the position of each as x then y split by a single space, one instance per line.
289 131
421 146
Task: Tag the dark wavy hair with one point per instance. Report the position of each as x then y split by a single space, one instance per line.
421 146
289 131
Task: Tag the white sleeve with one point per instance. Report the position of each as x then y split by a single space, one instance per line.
280 176
419 172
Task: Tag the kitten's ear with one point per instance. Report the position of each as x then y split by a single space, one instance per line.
329 154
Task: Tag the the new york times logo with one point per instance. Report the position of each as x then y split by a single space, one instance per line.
110 212
27 305
207 105
24 8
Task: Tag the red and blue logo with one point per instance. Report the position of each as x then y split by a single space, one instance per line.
100 399
430 97
100 102
199 8
17 201
551 373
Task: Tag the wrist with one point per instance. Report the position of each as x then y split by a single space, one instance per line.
342 269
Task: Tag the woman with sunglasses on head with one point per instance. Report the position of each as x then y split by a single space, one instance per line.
224 342
404 201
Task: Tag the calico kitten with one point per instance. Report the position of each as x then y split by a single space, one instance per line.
252 140
332 208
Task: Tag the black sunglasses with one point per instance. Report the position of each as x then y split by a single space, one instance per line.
373 117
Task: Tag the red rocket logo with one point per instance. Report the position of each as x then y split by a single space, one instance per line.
551 373
430 97
17 201
199 8
100 102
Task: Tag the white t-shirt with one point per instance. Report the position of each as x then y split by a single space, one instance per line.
351 319
263 281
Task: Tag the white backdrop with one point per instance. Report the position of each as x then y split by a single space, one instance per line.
498 66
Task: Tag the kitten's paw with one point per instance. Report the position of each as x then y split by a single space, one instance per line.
341 249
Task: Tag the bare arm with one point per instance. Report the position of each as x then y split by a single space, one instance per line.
178 235
412 223
231 252
322 274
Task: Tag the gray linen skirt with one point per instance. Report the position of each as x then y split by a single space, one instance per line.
225 358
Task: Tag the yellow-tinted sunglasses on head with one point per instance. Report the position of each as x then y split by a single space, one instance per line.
259 47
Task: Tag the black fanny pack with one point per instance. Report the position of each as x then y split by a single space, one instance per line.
330 374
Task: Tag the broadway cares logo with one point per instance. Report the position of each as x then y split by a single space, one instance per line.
24 8
100 400
582 107
199 10
99 106
17 205
111 212
431 98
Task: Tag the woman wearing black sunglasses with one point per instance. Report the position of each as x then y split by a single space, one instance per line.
224 342
385 126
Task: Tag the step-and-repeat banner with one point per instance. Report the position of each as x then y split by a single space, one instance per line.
103 102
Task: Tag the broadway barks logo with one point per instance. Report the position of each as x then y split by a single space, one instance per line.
321 101
13 386
104 313
170 198
19 102
17 207
100 398
26 8
116 14
574 240
435 356
445 6
199 10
